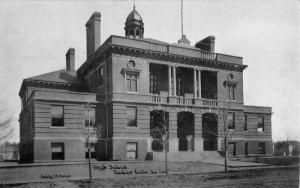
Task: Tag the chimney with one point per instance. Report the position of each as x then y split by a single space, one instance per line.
93 39
207 44
70 60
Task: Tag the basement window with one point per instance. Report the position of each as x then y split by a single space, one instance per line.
58 151
93 150
131 150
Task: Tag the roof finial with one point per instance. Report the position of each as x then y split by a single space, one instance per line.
133 4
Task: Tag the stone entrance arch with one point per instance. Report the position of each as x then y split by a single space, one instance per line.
210 131
185 131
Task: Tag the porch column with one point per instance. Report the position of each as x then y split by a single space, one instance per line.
169 77
199 84
195 83
219 144
173 140
198 140
174 80
149 142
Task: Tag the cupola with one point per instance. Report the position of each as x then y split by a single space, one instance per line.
134 26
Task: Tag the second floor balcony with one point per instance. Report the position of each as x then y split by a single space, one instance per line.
182 85
174 85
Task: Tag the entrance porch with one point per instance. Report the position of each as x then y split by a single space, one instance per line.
183 136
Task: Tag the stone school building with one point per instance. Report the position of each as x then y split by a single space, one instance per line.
136 97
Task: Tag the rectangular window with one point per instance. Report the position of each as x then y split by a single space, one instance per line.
260 124
231 121
231 93
57 116
90 114
246 148
131 117
58 151
93 150
131 82
100 76
245 123
232 148
261 148
131 150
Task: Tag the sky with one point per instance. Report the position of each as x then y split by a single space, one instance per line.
35 36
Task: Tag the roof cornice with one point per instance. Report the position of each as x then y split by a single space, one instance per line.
211 60
42 83
165 56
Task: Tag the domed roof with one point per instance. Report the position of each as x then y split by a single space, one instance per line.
134 17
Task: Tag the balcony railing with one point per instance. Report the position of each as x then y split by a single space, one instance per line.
174 100
208 102
157 98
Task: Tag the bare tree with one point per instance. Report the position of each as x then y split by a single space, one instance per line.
6 130
92 130
226 131
163 131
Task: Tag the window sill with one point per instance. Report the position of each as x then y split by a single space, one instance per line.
132 92
53 127
90 127
132 127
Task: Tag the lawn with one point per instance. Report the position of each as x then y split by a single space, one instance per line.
267 177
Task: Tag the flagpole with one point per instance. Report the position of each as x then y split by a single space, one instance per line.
181 17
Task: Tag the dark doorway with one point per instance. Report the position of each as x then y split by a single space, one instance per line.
210 132
185 131
159 119
209 84
158 78
184 81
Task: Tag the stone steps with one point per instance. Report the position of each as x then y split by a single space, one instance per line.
181 156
